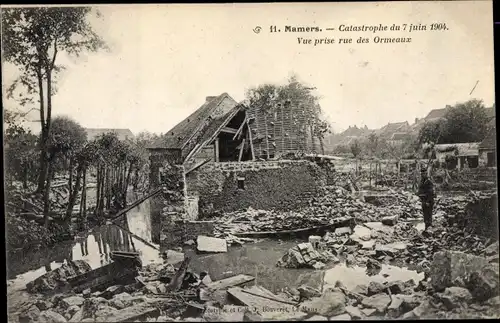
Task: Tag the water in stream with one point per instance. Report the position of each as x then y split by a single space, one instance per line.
256 259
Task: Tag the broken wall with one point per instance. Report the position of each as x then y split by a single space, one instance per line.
174 200
231 186
482 215
157 158
183 231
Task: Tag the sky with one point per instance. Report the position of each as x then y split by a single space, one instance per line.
165 59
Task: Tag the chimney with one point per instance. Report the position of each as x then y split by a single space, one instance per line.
416 120
210 98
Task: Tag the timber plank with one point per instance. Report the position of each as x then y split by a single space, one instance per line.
103 277
231 282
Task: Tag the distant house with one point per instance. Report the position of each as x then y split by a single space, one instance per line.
390 129
347 137
487 149
398 138
436 114
123 134
460 155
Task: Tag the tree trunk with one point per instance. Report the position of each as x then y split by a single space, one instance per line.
74 193
136 179
42 171
108 190
70 180
370 176
44 160
98 187
46 195
321 145
127 180
123 169
101 190
83 204
25 177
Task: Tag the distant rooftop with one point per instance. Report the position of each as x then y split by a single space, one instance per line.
93 133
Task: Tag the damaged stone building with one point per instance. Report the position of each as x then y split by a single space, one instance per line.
227 156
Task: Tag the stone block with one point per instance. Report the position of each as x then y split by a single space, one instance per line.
209 244
453 268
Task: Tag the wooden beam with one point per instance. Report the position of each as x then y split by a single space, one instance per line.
241 150
191 153
216 148
240 129
229 130
230 282
251 141
199 165
147 243
133 205
178 278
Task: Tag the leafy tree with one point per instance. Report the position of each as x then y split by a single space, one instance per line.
356 148
20 150
373 144
139 144
66 139
432 132
32 39
464 122
341 149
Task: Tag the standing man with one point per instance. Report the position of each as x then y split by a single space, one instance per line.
426 195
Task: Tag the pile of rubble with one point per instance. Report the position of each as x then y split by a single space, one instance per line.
252 220
305 255
325 209
122 291
452 206
403 203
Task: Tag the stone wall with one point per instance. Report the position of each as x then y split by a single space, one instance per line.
482 215
192 208
184 230
230 186
157 158
174 199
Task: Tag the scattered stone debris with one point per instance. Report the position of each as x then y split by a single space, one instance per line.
456 284
57 279
304 255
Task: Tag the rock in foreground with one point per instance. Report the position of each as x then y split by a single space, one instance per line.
55 279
